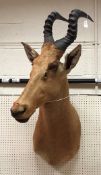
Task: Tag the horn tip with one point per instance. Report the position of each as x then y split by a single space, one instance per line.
78 11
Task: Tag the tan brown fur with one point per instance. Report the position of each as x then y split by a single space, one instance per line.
57 133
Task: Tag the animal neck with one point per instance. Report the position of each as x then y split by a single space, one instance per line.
57 133
56 111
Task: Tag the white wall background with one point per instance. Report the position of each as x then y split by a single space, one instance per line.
23 20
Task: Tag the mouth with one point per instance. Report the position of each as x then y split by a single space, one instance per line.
22 117
22 120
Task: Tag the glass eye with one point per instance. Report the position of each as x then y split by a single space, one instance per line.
45 76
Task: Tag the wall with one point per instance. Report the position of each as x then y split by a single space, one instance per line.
23 20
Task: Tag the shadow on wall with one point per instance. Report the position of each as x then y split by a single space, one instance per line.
65 169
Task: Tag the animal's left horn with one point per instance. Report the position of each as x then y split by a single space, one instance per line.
75 14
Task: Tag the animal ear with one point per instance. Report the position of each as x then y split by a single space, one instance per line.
72 58
30 52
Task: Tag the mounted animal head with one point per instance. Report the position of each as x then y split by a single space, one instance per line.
48 77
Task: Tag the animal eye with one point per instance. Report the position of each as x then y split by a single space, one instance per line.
45 76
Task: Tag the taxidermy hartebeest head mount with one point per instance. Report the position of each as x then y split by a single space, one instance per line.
57 132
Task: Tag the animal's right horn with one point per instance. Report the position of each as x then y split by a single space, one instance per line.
48 36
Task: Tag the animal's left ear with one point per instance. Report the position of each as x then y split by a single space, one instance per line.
30 52
72 58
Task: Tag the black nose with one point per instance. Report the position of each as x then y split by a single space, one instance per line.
17 113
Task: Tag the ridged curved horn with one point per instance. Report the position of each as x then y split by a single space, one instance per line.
48 37
75 14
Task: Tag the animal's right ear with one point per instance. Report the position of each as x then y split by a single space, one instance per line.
30 52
